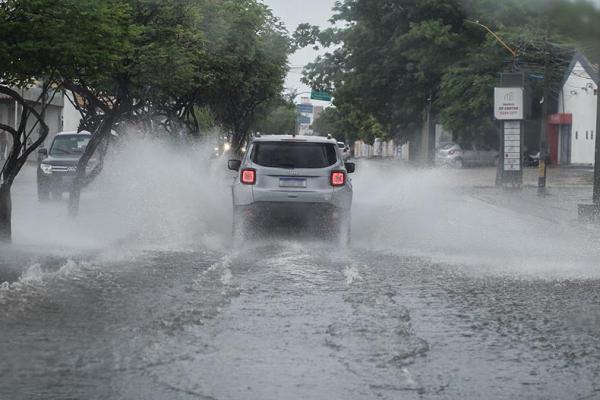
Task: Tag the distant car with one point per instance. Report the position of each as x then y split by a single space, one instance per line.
466 154
344 149
57 166
299 181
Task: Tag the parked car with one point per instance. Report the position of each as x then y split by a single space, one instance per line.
466 154
57 166
300 182
344 149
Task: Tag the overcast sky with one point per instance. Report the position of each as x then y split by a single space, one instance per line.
293 13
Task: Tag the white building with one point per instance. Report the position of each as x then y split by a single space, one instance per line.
304 119
60 113
71 118
10 111
572 131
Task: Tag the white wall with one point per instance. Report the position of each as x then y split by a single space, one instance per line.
71 117
442 135
578 99
378 149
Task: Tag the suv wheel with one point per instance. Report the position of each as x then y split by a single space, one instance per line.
43 191
459 163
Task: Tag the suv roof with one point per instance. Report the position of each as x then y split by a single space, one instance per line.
73 133
297 138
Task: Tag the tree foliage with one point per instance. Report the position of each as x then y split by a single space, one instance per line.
390 59
39 46
250 58
276 117
348 125
169 66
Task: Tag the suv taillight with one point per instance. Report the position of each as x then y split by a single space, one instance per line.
451 152
248 176
337 178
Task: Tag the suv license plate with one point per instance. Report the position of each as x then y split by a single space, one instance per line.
292 182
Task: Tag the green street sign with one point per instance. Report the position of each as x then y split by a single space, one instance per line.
323 96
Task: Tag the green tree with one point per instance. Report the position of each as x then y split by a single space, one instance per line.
38 43
276 117
155 84
250 56
330 123
390 59
348 125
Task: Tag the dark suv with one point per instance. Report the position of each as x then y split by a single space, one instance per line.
57 166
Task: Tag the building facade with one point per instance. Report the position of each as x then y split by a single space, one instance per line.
572 131
60 114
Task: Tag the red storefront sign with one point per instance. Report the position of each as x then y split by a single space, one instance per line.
560 119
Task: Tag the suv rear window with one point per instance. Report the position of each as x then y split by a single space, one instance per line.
294 154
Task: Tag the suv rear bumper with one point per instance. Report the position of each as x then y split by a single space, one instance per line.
266 214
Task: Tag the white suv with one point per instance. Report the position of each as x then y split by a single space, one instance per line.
296 181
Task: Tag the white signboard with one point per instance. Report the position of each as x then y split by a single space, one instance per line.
512 146
508 103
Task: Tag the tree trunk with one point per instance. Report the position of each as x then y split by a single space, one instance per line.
5 213
79 183
239 137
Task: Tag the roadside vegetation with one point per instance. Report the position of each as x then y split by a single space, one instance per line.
170 67
390 63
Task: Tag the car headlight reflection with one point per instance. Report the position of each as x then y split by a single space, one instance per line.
46 168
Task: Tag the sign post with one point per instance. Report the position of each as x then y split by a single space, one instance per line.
509 108
322 96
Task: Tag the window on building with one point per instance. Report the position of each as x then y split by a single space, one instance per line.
586 135
576 135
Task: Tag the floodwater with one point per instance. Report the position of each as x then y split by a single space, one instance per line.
448 291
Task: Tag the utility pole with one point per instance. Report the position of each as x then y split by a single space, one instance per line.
430 134
596 198
505 79
544 151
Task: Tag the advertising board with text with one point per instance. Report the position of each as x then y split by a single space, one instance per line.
508 103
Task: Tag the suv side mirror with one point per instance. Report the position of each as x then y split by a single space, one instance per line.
350 167
43 152
234 165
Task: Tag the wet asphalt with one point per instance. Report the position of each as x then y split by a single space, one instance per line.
445 293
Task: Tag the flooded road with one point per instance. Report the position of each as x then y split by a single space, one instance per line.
447 292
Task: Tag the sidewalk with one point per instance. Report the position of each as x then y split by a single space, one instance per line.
557 205
561 176
482 177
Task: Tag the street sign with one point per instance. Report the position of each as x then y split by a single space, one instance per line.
508 103
305 108
302 119
323 96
